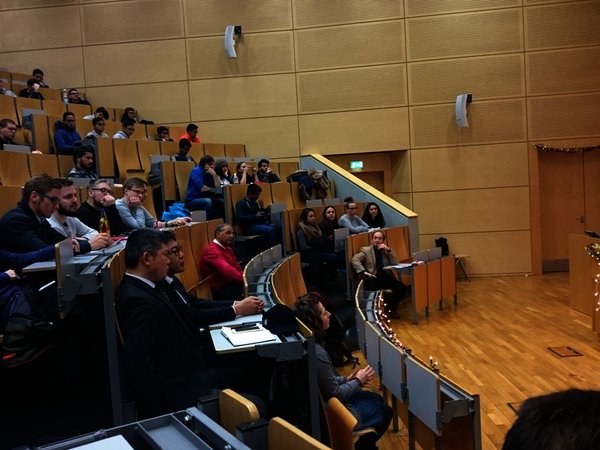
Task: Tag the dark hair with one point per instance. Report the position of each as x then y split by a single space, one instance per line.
40 184
566 420
67 114
31 82
183 143
378 221
191 127
349 202
169 235
335 220
219 167
36 71
96 120
64 182
127 122
73 90
304 214
104 112
262 161
306 309
206 159
5 122
81 151
134 182
125 114
253 189
161 129
348 199
140 242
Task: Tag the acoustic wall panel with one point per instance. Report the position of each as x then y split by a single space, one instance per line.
357 88
350 45
433 7
138 20
485 77
562 25
210 17
472 210
315 13
562 71
354 132
61 66
22 4
44 28
564 116
235 98
468 34
489 122
105 64
272 137
503 252
257 54
473 167
159 102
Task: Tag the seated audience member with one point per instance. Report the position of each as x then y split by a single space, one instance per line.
245 173
251 215
314 249
566 420
127 129
73 97
184 149
100 197
66 136
6 91
369 408
222 171
129 113
373 216
265 174
191 134
91 139
38 76
352 221
369 264
201 189
133 214
32 90
328 225
64 221
162 135
83 158
219 265
8 131
24 228
100 112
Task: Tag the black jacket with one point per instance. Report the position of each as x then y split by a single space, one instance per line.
91 217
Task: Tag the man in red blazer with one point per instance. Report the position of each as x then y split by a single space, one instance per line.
218 263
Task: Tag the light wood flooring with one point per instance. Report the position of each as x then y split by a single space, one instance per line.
495 343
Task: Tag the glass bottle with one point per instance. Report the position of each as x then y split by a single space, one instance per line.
104 226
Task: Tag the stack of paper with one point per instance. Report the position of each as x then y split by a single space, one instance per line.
247 335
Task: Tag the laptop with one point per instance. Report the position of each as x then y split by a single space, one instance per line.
198 216
17 148
423 255
340 235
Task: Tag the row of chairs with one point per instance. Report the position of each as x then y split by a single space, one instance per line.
16 168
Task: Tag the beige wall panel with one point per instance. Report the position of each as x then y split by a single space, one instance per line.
350 45
473 167
489 122
561 71
234 98
62 67
132 21
564 116
22 4
432 7
32 29
464 34
404 199
313 13
144 62
354 132
273 137
489 253
485 77
159 102
210 17
257 54
402 171
473 210
359 88
564 25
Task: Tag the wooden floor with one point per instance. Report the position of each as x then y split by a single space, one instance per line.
495 343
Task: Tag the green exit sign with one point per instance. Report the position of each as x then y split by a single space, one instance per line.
355 165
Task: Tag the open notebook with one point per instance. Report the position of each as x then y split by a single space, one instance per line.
248 335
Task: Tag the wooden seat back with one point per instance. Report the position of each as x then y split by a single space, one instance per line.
235 410
283 435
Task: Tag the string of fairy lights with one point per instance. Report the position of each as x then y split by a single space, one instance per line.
594 251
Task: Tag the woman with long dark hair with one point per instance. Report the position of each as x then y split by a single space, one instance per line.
314 249
368 407
373 216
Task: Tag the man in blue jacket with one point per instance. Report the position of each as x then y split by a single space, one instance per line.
66 136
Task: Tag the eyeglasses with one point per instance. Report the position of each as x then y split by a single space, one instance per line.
174 251
352 208
140 193
69 120
103 190
100 124
51 198
11 129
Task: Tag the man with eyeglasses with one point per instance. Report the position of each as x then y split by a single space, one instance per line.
25 228
66 136
100 197
73 97
128 127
